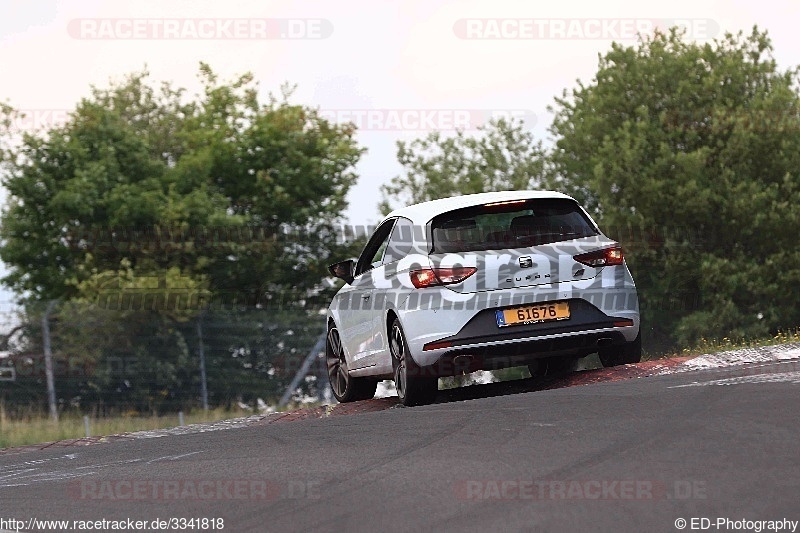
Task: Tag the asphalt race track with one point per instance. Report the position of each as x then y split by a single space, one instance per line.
633 455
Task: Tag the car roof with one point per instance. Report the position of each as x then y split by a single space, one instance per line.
423 212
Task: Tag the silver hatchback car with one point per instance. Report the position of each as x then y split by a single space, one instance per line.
479 282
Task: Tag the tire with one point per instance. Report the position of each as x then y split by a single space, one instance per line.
552 366
345 387
627 354
412 387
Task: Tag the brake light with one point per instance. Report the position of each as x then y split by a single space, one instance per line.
430 277
507 202
605 257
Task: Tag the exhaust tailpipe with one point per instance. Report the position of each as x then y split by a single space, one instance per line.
462 364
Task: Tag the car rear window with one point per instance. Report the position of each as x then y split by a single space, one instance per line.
519 224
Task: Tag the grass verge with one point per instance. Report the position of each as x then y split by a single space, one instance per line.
37 427
706 346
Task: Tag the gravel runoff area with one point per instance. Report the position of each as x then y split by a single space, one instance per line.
745 356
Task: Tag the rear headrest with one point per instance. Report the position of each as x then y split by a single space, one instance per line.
524 223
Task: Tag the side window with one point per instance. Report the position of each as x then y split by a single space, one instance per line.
401 241
373 251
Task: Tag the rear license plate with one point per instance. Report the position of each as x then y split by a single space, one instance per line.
530 314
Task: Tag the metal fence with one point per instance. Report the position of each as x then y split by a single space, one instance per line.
106 361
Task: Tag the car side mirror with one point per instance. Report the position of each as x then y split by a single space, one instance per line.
343 270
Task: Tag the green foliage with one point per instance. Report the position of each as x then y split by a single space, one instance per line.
260 177
504 156
690 154
149 206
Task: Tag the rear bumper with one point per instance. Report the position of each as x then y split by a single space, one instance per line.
496 354
493 347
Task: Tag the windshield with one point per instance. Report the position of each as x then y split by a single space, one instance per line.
519 224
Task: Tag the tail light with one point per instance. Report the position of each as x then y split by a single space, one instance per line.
599 258
430 277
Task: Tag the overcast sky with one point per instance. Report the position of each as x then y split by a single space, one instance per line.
417 64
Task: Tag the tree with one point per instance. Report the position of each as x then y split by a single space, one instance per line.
690 154
504 156
220 187
151 206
